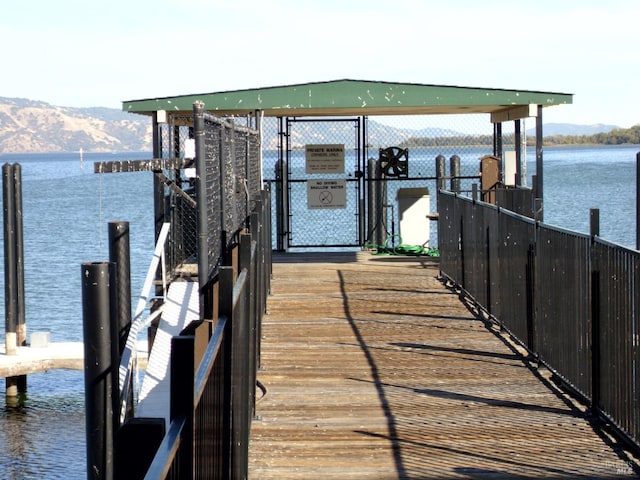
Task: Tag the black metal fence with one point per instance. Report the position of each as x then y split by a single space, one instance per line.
213 388
572 299
224 222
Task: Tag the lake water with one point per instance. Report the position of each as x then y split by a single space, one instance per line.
66 210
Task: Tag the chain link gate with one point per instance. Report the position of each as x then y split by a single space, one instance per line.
324 182
443 152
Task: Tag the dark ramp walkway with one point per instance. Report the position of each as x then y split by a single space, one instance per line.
374 370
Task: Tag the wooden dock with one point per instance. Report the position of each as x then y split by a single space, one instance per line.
373 369
56 355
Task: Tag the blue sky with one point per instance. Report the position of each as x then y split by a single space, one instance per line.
84 53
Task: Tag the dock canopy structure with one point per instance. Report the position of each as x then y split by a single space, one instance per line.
346 117
359 97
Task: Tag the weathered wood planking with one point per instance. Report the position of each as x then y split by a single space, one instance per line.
375 370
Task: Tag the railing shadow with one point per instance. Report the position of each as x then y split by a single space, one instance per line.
377 380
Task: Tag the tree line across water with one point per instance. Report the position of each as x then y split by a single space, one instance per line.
617 136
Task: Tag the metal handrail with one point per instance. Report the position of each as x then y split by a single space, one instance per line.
129 360
167 451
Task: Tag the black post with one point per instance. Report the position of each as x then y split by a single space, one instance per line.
100 371
454 165
518 140
19 241
10 272
158 186
21 327
119 253
638 201
201 193
182 385
440 172
594 222
10 275
280 223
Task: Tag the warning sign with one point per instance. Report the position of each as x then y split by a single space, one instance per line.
324 158
326 194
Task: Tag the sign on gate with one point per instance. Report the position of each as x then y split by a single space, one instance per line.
326 194
324 158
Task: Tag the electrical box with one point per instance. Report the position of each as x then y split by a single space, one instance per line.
413 207
489 178
510 168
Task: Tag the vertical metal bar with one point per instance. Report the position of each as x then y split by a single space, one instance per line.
594 229
279 176
10 272
226 310
360 122
280 229
539 170
286 189
595 340
201 201
222 179
99 367
248 260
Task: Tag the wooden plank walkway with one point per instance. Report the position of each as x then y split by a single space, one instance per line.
374 370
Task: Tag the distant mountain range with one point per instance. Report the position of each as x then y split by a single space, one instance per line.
549 129
29 126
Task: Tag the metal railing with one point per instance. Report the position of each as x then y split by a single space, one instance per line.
127 378
572 300
211 410
212 392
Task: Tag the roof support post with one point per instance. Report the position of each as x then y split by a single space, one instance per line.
518 142
497 139
539 192
158 187
201 202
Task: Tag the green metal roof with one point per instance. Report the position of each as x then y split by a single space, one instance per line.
354 97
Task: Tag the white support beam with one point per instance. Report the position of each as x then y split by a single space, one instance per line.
515 113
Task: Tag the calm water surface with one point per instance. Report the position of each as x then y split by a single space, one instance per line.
66 210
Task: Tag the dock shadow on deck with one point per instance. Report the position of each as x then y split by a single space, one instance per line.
373 369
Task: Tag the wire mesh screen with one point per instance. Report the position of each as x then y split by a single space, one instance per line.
231 155
178 188
233 182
